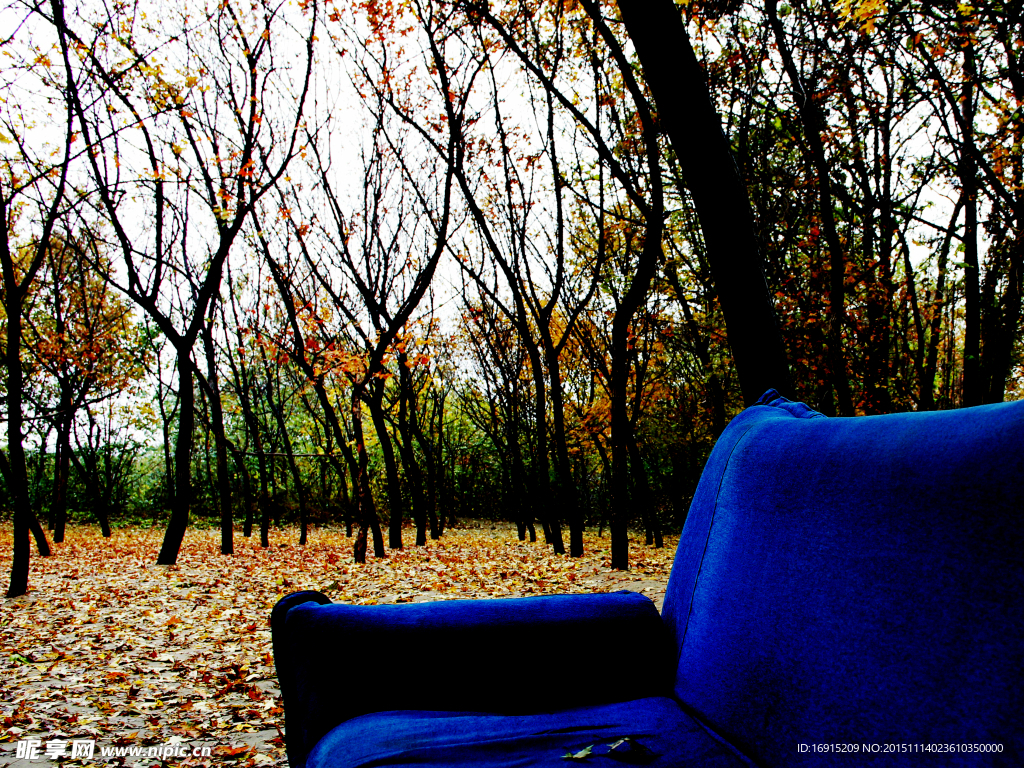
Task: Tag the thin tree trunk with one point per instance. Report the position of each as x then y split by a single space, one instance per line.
396 505
227 543
637 20
429 455
178 523
406 415
811 121
62 466
703 351
17 474
973 387
15 291
567 493
367 509
165 425
999 360
643 495
293 467
926 387
352 509
540 488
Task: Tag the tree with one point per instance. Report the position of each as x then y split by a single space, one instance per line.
975 66
43 185
221 115
687 115
85 345
370 251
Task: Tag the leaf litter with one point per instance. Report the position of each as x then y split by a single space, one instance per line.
110 647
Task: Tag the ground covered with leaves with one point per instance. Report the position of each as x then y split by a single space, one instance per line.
111 648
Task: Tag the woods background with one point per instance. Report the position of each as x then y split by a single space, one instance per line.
375 261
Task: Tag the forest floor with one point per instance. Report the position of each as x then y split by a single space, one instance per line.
109 649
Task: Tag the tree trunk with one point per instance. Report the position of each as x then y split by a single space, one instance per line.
716 394
293 468
182 501
17 469
688 117
407 415
367 509
227 542
999 348
353 503
165 425
973 387
643 494
253 425
97 486
238 456
62 465
926 387
812 123
540 489
17 483
396 504
432 462
567 494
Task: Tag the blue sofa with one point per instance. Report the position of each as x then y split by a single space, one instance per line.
846 592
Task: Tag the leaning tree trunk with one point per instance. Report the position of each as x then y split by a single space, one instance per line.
687 115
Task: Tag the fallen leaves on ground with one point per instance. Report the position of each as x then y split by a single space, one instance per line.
111 647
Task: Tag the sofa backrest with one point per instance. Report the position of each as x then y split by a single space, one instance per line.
856 581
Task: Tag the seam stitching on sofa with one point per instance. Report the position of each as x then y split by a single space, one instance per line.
711 524
719 737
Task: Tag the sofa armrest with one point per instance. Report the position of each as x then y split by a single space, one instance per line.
511 656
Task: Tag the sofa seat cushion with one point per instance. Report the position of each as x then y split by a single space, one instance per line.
660 734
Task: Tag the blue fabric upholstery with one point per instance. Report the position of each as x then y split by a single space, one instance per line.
502 656
661 735
856 580
839 581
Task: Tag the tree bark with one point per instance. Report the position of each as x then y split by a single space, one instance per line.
414 478
375 402
62 464
999 357
926 387
17 482
227 543
182 501
367 509
810 119
688 117
973 387
15 290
